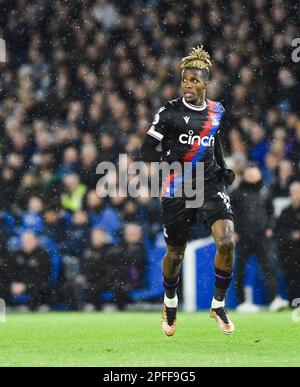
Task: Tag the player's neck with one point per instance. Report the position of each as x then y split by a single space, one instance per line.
200 102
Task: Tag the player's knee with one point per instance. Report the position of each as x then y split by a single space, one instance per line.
226 247
176 256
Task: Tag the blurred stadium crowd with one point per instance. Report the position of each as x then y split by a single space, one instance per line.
81 85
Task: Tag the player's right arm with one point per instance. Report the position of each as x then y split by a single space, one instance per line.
154 137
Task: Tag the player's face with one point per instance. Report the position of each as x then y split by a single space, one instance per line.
193 86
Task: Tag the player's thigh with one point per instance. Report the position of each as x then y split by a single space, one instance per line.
217 207
222 231
177 222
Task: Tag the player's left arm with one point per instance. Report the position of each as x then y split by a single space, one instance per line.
224 172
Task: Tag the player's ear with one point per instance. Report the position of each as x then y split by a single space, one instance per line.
205 84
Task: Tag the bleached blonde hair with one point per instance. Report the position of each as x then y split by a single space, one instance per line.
198 58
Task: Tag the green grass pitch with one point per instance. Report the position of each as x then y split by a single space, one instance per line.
135 339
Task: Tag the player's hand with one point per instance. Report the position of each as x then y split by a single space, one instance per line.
170 157
227 175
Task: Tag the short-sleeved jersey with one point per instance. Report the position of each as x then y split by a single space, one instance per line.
187 132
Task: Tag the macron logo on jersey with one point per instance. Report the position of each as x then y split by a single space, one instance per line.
190 139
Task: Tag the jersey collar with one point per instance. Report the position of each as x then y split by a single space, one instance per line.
194 107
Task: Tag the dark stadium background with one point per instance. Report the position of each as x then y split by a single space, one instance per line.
82 83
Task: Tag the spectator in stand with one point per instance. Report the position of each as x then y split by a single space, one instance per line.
9 182
28 188
94 268
77 237
29 272
109 148
135 255
49 186
259 145
55 227
105 13
285 177
126 265
70 162
32 219
131 211
103 216
269 172
288 236
77 233
253 224
88 166
74 193
238 159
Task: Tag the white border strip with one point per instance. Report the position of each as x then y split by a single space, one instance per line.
2 50
190 275
152 132
194 107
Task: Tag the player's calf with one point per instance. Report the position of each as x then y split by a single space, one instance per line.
171 268
223 234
